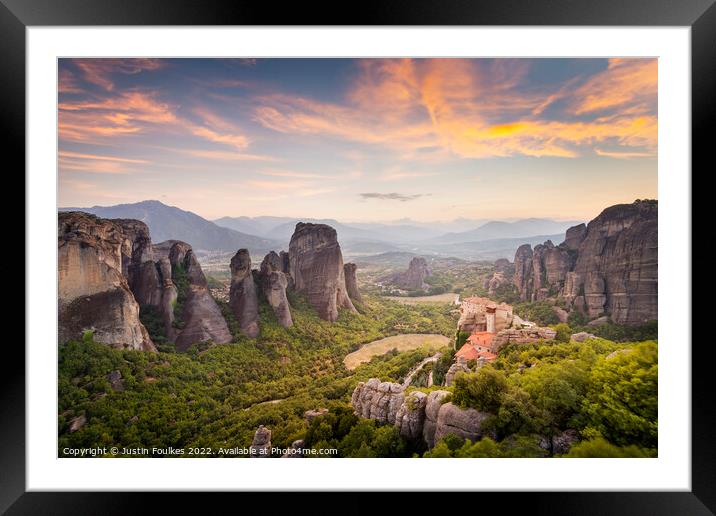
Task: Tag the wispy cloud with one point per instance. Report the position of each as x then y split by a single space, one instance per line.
291 173
455 106
100 71
393 196
97 164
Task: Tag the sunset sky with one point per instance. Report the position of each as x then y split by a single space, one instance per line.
360 139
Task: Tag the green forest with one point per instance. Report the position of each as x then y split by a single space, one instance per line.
216 396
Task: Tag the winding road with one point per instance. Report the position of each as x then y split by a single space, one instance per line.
418 367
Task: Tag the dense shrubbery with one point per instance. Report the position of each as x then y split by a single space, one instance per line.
540 312
218 396
604 390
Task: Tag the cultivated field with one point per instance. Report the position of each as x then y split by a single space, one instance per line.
437 299
406 342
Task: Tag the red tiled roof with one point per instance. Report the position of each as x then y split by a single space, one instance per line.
481 338
470 352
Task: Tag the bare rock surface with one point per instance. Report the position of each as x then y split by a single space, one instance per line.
274 283
94 256
582 336
522 336
316 265
261 445
465 423
349 270
414 277
416 415
609 266
201 317
242 295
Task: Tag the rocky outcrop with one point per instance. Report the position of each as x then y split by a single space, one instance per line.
296 450
377 400
465 423
414 277
575 236
416 415
609 266
261 445
460 365
560 443
242 294
349 271
435 400
582 336
310 415
521 336
109 269
273 284
616 271
411 415
115 381
77 422
201 318
316 268
524 277
94 259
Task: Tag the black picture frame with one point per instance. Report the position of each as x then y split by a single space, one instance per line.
700 15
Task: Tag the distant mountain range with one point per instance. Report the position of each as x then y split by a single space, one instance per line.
168 222
485 241
501 230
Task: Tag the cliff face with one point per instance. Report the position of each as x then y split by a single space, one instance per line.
93 291
274 283
242 295
349 270
609 266
201 317
414 277
316 267
617 266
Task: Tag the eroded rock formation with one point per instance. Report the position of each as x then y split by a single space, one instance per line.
261 445
414 277
242 295
316 268
94 257
274 283
416 414
521 336
349 270
609 266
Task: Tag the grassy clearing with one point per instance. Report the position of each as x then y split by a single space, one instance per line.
419 300
406 342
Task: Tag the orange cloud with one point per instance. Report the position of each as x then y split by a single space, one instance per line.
126 113
625 81
454 106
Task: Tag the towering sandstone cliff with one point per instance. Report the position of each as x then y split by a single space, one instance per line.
274 283
108 269
242 296
609 266
352 283
316 268
94 259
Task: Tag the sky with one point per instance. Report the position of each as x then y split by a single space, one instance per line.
359 139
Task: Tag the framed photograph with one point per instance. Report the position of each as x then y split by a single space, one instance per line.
434 250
